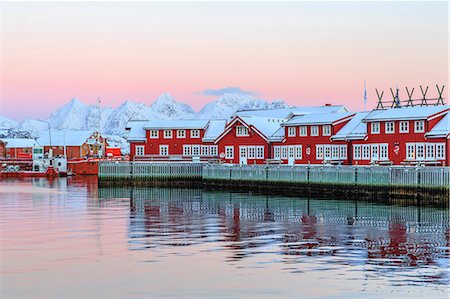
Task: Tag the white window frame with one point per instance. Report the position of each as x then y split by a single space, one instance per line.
154 134
242 131
186 150
251 152
343 152
366 152
374 152
181 133
410 151
430 151
335 152
419 126
291 132
327 152
204 150
195 133
404 127
440 151
277 152
319 152
196 150
229 152
314 130
213 150
260 152
384 152
375 128
389 127
164 150
420 151
168 134
357 152
140 150
298 152
326 130
284 152
303 131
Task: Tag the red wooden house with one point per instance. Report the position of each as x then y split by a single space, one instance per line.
2 149
307 139
174 139
402 136
247 140
19 148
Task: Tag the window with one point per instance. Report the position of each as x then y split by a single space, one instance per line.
343 152
291 151
276 152
241 131
139 150
419 126
404 127
384 153
181 134
186 150
335 152
420 151
430 147
390 127
205 150
440 151
291 131
357 152
314 131
319 152
167 133
366 152
375 128
298 152
251 152
163 150
410 151
326 130
229 152
196 150
195 133
327 152
303 131
260 152
375 154
283 152
154 134
213 150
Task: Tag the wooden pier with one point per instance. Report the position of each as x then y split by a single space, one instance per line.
430 184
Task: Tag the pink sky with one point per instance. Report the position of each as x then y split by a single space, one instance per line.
304 53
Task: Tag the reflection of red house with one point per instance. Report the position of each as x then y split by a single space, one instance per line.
18 148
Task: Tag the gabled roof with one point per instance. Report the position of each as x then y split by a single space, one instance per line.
19 142
176 124
264 126
64 137
214 129
441 129
405 113
355 129
136 130
286 112
317 119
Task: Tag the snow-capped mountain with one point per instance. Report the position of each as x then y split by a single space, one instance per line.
228 104
76 115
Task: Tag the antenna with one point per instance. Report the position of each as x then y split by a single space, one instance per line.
365 95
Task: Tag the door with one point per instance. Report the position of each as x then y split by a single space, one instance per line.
243 155
291 155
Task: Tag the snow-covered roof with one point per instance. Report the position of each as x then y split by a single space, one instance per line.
278 135
136 130
19 142
355 129
176 124
286 112
214 129
441 129
266 125
64 137
405 113
316 119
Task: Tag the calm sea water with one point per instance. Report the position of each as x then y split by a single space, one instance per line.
69 238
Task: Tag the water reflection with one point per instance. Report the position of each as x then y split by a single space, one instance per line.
387 239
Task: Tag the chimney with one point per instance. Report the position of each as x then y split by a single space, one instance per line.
327 105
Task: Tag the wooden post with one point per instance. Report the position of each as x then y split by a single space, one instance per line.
441 99
424 94
410 101
380 97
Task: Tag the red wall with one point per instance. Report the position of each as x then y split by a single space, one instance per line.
19 152
254 139
175 144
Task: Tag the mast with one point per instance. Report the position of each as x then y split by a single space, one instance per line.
365 95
